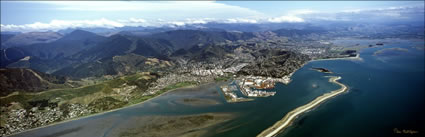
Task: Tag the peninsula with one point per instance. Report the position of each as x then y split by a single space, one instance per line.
291 116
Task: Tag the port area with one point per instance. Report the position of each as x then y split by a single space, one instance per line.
254 86
248 87
229 92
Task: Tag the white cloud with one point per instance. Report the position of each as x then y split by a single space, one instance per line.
240 20
135 20
289 18
203 9
199 21
177 23
368 14
293 16
399 8
106 23
62 24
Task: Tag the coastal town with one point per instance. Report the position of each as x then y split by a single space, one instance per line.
21 119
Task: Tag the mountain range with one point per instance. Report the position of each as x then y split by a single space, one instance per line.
83 54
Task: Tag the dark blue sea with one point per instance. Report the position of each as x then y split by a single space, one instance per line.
386 94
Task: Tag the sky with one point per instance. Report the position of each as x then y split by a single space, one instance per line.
54 15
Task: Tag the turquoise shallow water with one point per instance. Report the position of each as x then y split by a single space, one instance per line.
385 92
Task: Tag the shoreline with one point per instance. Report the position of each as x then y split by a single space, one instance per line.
287 120
100 113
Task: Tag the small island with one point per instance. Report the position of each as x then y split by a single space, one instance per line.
323 70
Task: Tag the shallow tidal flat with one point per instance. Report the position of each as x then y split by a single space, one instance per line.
177 113
181 119
183 125
197 101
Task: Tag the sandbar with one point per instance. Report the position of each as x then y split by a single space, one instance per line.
292 115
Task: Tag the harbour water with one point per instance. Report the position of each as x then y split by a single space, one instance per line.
386 91
386 96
